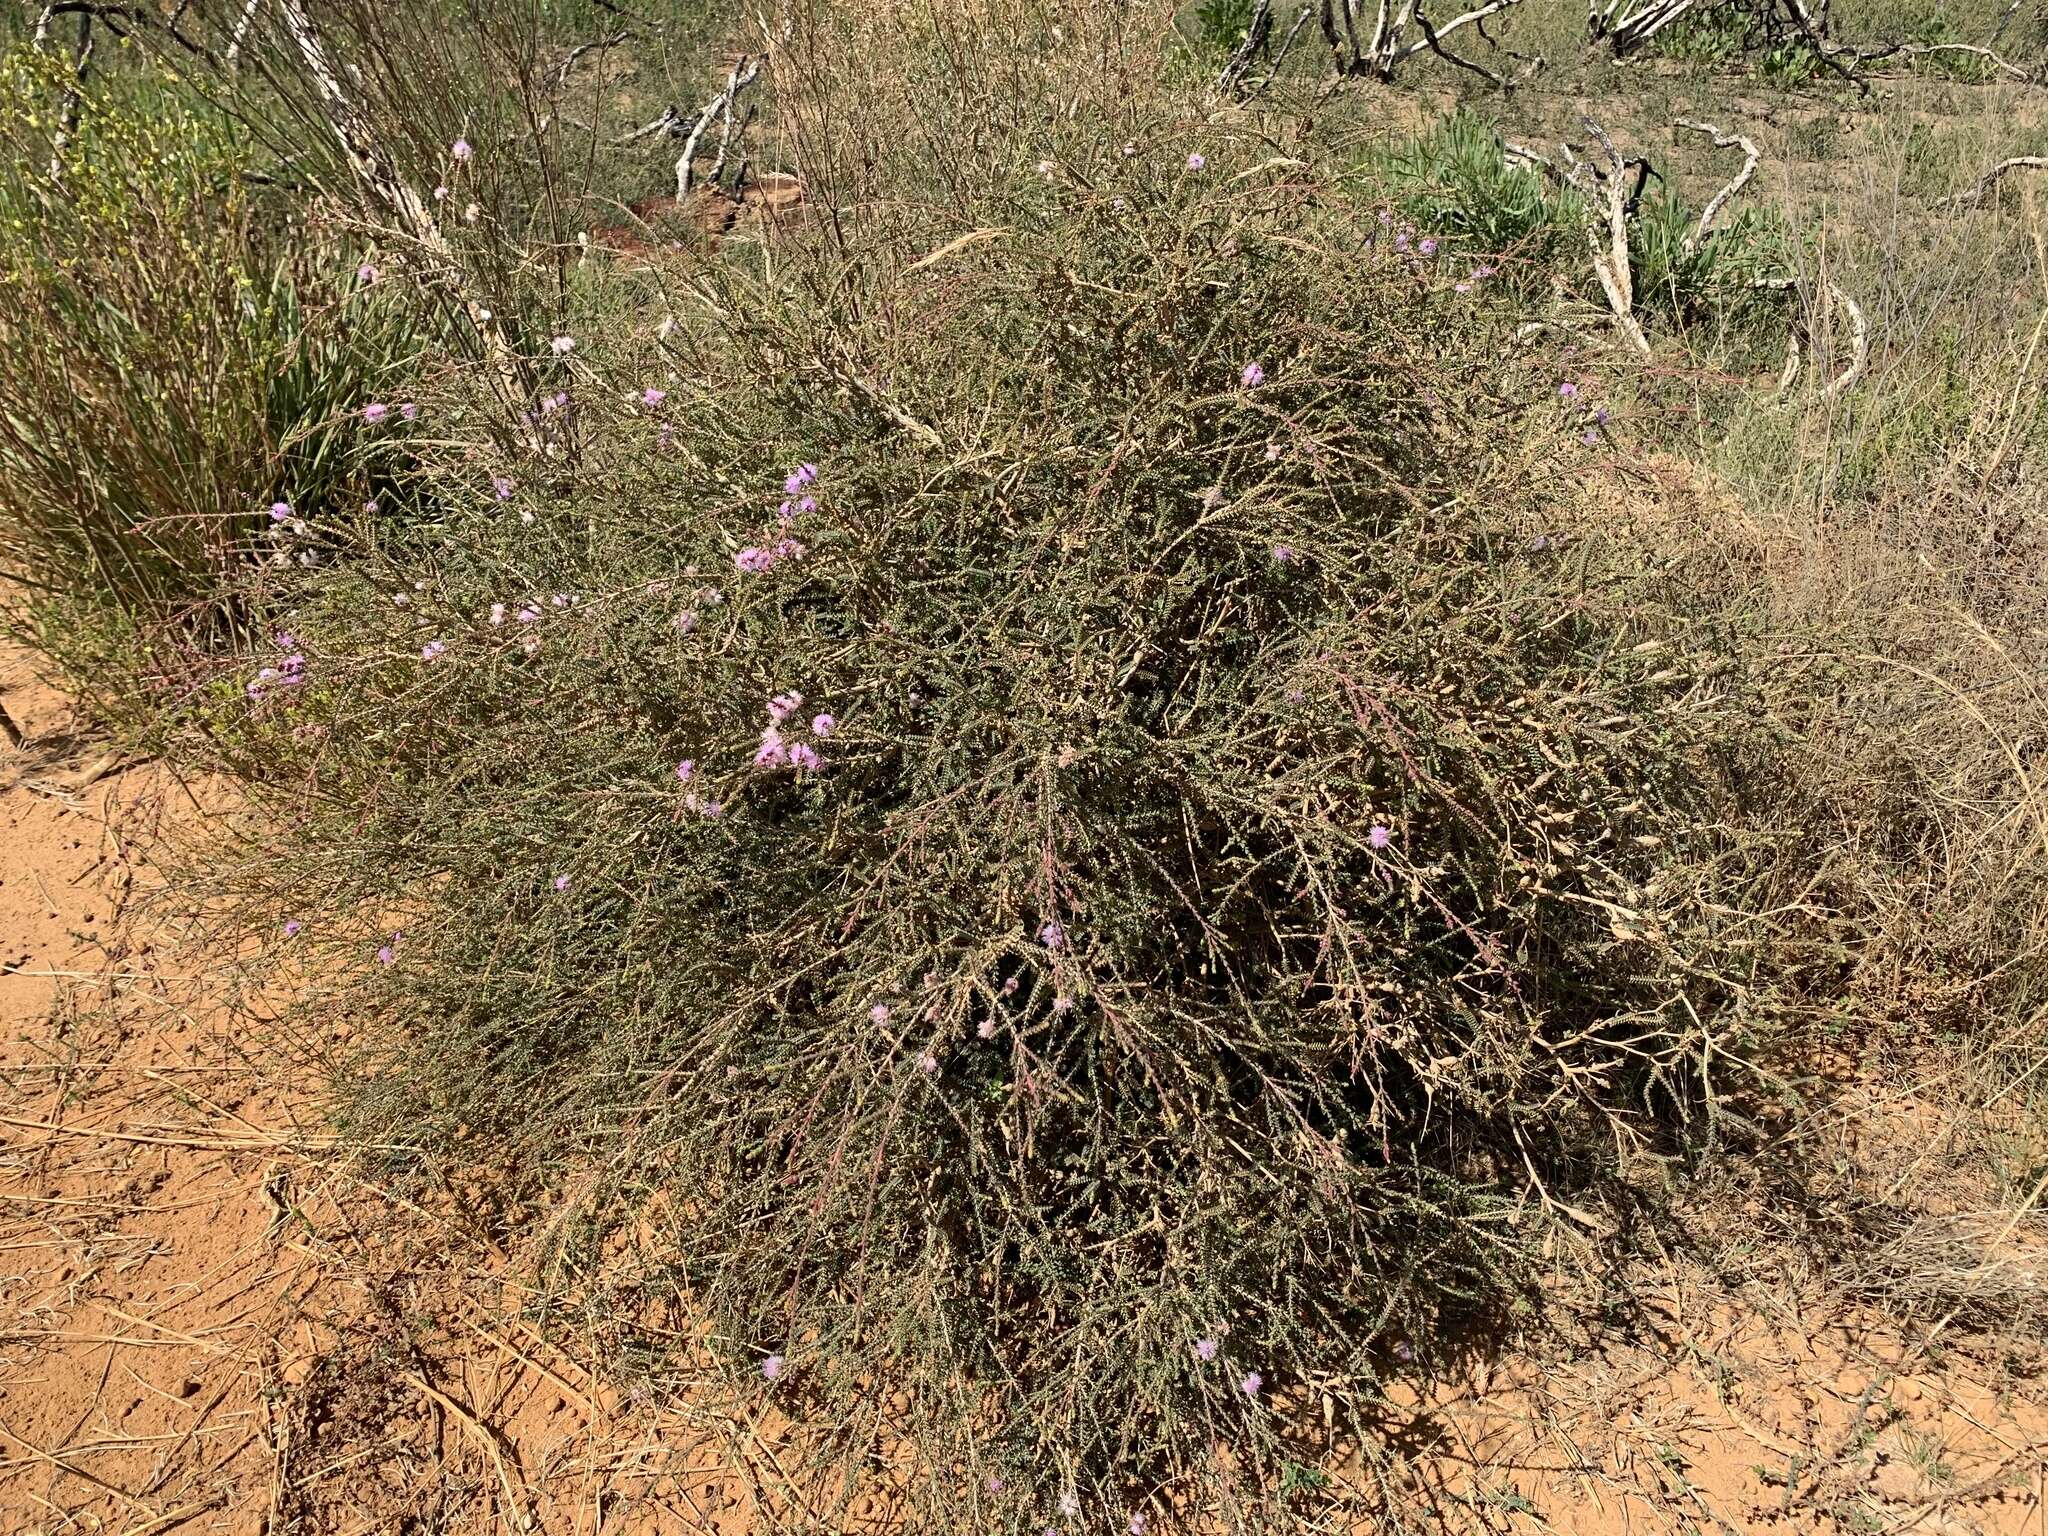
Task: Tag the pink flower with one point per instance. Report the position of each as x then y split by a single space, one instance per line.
1567 390
366 273
1062 1004
1253 375
280 510
651 396
432 650
409 411
1285 554
771 753
783 705
529 614
563 345
1205 1349
561 882
1053 936
685 768
804 756
771 1368
375 412
1196 162
1252 1383
927 1063
292 928
497 615
880 1013
753 559
501 487
823 726
460 149
1379 837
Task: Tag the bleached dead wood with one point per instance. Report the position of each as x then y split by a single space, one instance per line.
1400 29
1992 178
1721 199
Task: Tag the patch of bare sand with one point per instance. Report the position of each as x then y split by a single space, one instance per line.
209 1323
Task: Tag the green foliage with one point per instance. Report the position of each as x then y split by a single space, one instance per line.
166 381
1452 179
1220 25
1709 284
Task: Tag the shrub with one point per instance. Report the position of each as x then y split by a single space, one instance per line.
170 376
1133 887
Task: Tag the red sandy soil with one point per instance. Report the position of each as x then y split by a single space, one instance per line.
207 1324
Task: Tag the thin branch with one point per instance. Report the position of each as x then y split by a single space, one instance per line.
1991 178
1607 204
1922 50
1816 39
1436 46
582 49
373 169
665 123
241 31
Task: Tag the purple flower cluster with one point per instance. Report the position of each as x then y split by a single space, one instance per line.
289 672
756 558
776 750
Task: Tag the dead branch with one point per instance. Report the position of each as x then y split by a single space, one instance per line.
1436 46
582 49
1390 43
2003 66
1286 47
1991 178
1627 25
1859 334
1608 205
745 70
74 93
241 32
1722 198
1257 36
1815 34
665 123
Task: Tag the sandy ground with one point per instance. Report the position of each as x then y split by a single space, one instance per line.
208 1325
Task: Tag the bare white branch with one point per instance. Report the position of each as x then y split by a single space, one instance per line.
1992 178
1722 198
745 70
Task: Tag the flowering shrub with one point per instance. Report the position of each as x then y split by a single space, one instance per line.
1071 860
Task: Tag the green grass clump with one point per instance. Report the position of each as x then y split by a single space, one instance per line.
1454 181
173 370
1170 863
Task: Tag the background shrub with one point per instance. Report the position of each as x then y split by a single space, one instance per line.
177 365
